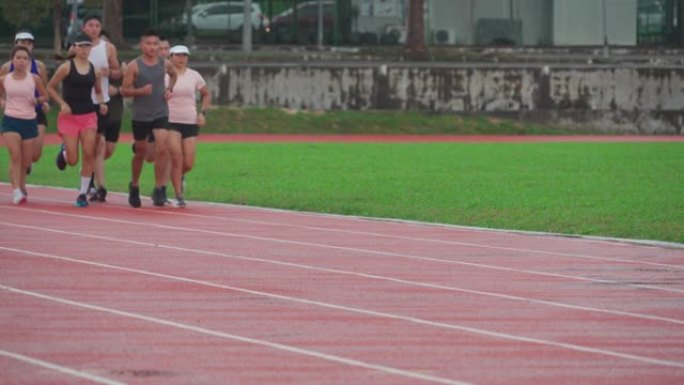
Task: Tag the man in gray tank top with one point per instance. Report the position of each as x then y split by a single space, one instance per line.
144 82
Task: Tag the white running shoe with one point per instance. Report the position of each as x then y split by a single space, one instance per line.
19 197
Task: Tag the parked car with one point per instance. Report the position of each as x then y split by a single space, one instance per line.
284 27
215 19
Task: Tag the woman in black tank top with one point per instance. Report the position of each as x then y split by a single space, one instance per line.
77 120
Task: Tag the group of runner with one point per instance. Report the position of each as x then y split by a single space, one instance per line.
165 124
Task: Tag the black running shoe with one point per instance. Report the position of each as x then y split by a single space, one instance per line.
28 169
134 195
81 201
100 195
60 161
179 203
158 197
163 194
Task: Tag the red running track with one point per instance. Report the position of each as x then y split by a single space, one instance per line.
217 294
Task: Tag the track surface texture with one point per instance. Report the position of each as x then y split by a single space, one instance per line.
224 294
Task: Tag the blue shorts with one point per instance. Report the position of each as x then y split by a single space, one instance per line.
26 128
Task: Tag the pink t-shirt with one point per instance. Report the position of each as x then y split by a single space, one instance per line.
21 99
183 101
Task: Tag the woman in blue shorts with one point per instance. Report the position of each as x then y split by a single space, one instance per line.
19 125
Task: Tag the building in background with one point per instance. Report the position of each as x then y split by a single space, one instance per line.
447 22
534 22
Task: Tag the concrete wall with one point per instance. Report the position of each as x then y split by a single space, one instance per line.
628 99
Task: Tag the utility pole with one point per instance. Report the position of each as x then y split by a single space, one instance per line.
189 37
320 24
247 27
605 28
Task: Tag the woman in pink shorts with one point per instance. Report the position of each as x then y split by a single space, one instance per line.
77 120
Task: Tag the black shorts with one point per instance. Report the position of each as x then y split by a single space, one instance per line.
102 120
142 130
41 119
186 130
113 127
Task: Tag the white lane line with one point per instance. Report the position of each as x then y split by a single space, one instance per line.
358 250
622 242
373 313
351 273
430 240
248 340
59 368
420 239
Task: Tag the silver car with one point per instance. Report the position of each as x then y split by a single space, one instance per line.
215 19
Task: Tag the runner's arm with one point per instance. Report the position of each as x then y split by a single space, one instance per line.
115 71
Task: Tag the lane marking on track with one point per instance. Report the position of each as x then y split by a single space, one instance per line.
349 273
430 240
243 339
59 368
358 250
622 242
373 313
392 236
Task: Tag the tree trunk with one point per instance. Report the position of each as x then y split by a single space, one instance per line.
57 25
112 14
415 41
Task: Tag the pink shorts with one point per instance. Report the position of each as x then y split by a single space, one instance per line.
73 125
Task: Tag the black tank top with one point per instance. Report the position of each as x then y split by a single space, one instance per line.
76 89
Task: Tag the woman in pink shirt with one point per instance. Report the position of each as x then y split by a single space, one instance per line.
19 124
184 118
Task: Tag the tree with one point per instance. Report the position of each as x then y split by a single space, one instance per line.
57 25
30 13
112 15
415 40
26 13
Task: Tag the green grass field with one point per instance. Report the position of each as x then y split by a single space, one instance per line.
627 190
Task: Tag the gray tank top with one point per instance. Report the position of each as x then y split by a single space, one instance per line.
150 107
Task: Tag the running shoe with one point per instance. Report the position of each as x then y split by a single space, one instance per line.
81 201
19 198
179 203
28 169
133 147
163 194
60 160
100 195
134 195
158 197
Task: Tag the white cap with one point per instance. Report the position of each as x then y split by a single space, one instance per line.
24 36
179 49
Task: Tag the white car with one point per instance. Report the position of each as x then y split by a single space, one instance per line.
215 19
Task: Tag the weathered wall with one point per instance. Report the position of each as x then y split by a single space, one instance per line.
615 99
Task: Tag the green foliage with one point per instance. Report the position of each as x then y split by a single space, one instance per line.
26 12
